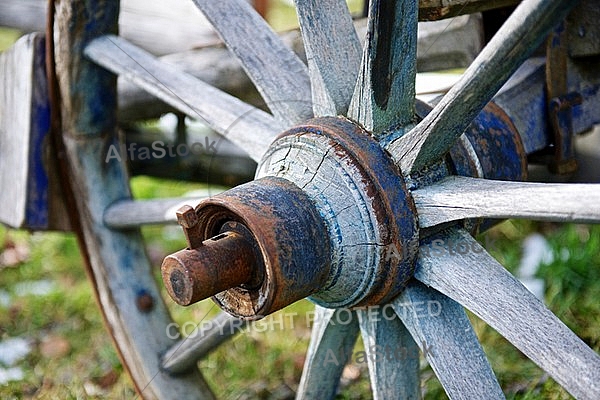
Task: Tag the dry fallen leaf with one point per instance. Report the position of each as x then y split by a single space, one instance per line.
54 346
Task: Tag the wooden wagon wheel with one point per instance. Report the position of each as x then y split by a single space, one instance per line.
350 223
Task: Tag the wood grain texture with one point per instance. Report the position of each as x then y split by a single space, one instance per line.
385 90
458 197
440 45
392 355
446 337
17 130
478 282
29 188
118 266
333 53
246 126
127 214
278 74
208 336
520 35
330 348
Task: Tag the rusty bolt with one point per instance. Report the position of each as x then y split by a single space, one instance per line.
144 302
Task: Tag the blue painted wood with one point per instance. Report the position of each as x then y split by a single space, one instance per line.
392 354
522 33
278 74
333 53
442 330
28 187
385 91
333 337
471 277
119 269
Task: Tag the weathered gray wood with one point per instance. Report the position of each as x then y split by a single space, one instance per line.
246 126
444 333
470 276
184 354
440 45
29 190
458 197
185 29
120 272
333 52
392 355
515 41
157 26
385 90
278 74
333 336
127 214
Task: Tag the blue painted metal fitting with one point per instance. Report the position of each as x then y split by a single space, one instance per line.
491 148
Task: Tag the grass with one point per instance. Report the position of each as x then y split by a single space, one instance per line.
265 361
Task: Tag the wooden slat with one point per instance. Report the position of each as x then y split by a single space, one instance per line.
29 189
127 214
514 42
385 89
333 52
460 197
119 270
333 336
184 354
278 74
392 355
444 333
246 126
474 279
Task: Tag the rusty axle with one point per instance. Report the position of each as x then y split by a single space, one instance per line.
219 263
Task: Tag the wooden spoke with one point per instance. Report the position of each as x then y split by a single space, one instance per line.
207 336
444 333
128 214
385 90
279 75
470 276
246 126
392 355
331 343
459 197
333 53
515 41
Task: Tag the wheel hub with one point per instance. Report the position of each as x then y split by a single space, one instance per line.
329 217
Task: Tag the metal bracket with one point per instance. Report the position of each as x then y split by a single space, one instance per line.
560 106
561 122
